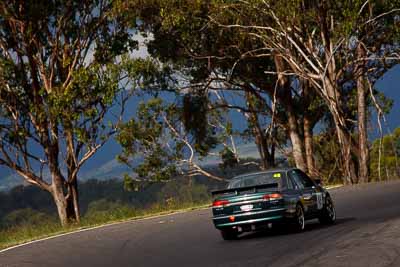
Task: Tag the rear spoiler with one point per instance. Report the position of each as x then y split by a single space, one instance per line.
241 189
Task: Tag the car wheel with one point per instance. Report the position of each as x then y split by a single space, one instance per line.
328 213
299 219
229 234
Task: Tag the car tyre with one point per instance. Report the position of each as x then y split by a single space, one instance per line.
229 234
299 221
328 213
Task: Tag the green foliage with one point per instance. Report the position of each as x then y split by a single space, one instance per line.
383 101
154 76
194 117
328 163
165 136
229 159
389 165
130 184
144 136
103 210
176 192
26 216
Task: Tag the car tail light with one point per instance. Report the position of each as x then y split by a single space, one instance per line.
274 196
220 203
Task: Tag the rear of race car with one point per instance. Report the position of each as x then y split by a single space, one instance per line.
248 209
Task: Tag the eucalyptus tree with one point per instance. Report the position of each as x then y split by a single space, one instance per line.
184 36
59 80
337 46
167 148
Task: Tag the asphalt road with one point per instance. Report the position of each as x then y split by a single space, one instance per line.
367 233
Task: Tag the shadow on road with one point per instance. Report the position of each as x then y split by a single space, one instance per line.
281 230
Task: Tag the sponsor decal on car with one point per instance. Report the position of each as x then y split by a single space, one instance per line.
277 175
320 201
246 207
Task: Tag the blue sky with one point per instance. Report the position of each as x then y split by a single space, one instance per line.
390 86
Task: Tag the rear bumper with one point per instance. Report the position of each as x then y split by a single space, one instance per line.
250 218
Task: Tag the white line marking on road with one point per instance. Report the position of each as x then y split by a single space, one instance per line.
97 227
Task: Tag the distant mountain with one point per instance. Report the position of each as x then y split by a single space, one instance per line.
113 169
10 181
109 170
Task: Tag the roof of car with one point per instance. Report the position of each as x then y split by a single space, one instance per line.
285 169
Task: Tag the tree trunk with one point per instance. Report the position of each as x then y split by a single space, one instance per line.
284 95
333 97
67 206
362 122
344 136
59 199
310 117
73 202
261 139
267 159
348 161
297 144
261 152
273 145
309 148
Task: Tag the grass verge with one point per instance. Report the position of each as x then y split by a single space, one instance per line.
17 235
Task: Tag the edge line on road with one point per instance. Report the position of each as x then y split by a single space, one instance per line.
100 226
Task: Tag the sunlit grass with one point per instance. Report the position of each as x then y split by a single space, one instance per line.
24 233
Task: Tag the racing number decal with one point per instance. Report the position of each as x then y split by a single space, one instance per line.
277 175
320 202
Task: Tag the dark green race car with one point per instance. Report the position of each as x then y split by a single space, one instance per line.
259 200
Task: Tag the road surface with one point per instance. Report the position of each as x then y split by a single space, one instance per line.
367 233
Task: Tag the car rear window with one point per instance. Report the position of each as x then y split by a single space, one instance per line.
255 179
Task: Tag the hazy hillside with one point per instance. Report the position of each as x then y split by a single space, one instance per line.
112 169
